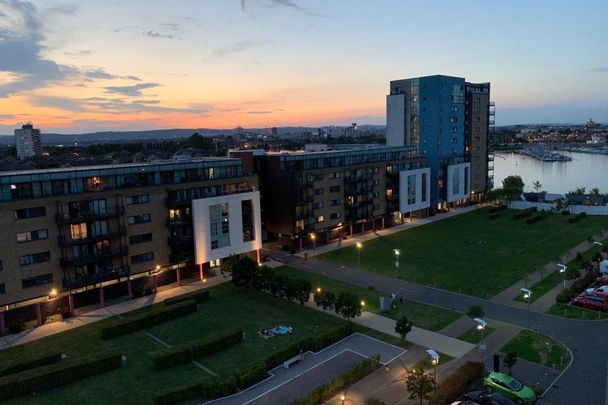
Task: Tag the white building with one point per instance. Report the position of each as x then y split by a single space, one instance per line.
414 190
27 140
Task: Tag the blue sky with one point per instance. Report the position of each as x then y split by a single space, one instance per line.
76 66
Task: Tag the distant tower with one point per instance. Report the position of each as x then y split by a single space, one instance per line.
28 141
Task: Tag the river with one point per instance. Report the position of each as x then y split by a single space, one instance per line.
585 170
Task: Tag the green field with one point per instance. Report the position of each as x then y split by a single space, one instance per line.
421 315
469 253
570 311
473 335
539 349
137 382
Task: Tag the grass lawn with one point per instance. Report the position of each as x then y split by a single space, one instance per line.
473 335
421 315
570 311
137 383
538 349
469 253
426 363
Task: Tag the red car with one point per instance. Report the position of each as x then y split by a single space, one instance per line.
602 280
597 302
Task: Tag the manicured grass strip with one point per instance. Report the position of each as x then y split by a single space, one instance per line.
473 335
56 375
467 253
570 311
538 348
19 365
542 287
148 319
198 296
421 315
426 363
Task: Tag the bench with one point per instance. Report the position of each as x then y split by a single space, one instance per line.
291 362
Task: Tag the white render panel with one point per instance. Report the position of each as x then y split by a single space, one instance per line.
202 235
395 120
459 172
404 207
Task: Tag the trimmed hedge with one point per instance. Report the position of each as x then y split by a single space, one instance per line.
498 208
251 375
537 218
148 319
324 392
187 352
28 364
495 215
525 213
198 296
211 388
577 217
458 382
57 375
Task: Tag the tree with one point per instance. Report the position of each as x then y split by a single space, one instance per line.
419 384
475 311
347 305
300 290
324 299
510 360
537 186
403 327
198 141
512 187
595 191
245 273
578 191
495 194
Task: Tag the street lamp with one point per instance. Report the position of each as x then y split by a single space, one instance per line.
362 303
314 242
359 246
342 398
397 253
527 293
562 270
319 290
481 326
434 361
598 243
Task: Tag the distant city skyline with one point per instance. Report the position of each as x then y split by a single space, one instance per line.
86 66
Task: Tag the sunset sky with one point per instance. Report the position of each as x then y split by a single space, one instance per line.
95 65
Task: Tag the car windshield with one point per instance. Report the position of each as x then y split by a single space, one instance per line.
516 385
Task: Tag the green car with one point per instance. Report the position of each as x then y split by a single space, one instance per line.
509 387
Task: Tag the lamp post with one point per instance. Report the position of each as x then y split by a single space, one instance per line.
359 246
434 361
313 237
562 269
397 253
342 398
527 293
481 326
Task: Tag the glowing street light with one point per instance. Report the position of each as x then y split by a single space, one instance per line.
359 246
319 290
481 326
434 361
342 398
527 294
313 237
362 303
397 253
562 270
598 243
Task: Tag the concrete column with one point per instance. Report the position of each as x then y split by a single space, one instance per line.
39 314
374 224
363 227
383 223
154 284
201 272
102 299
351 230
258 256
71 303
179 277
2 325
327 236
129 289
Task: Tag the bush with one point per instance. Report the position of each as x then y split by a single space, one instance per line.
498 208
148 319
495 216
250 375
28 363
577 217
540 217
566 212
211 388
198 296
219 386
457 383
525 213
58 374
187 352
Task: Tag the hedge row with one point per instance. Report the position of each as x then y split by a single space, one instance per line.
198 296
214 387
577 217
187 352
537 218
576 288
457 383
149 319
326 391
22 365
251 374
58 374
498 208
495 215
525 213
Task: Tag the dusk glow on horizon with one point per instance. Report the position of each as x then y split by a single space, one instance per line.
95 65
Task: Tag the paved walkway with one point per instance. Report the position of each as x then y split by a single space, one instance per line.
103 313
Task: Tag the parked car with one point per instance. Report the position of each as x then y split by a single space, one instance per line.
487 398
602 280
596 302
598 290
509 387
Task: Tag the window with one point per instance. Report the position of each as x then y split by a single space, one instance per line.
1 266
335 202
320 219
141 238
22 190
2 288
144 257
411 189
32 235
37 281
34 258
335 215
138 199
78 231
219 225
318 205
334 189
34 212
139 219
423 187
247 220
318 191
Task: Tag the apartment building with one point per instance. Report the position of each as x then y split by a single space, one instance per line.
479 122
70 231
27 142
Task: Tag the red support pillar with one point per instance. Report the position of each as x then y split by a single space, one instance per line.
258 256
2 325
327 236
202 272
179 277
382 222
155 284
351 230
102 299
39 314
301 244
374 224
129 289
71 303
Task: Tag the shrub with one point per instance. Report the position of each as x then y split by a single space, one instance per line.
498 208
210 388
172 356
219 386
566 212
250 375
58 374
457 383
28 363
525 213
577 217
198 296
148 319
540 217
495 216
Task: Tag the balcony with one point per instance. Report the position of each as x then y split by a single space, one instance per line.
96 258
180 201
82 280
65 241
88 216
180 242
178 221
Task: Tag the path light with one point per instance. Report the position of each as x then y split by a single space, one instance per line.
434 361
359 246
342 398
598 243
481 326
562 270
397 253
53 293
313 237
319 290
527 294
362 303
